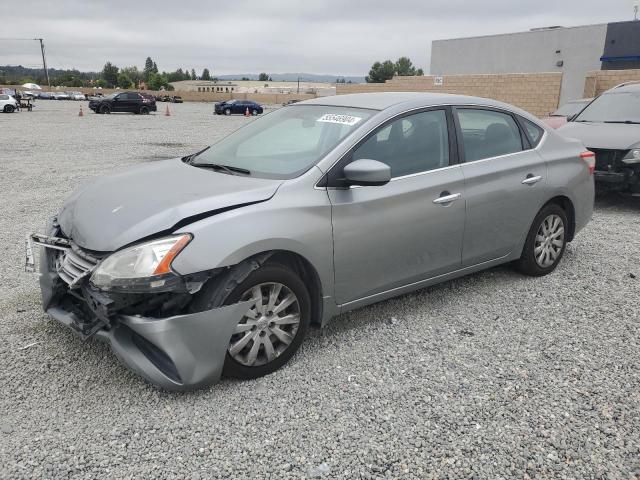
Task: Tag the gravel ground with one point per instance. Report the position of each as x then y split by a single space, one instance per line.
491 376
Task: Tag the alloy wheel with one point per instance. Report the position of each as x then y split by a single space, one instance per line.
268 327
549 241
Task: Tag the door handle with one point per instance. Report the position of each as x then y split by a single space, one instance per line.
531 180
447 197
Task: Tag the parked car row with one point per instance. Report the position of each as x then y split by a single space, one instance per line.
169 98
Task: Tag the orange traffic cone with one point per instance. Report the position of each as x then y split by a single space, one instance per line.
80 114
246 113
167 113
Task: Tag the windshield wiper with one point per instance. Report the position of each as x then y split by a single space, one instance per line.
189 158
225 168
630 122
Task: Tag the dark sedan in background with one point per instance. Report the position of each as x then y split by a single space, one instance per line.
238 106
132 102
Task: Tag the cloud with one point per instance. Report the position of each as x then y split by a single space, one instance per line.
328 36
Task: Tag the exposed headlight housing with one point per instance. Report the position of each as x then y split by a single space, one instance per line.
633 157
142 267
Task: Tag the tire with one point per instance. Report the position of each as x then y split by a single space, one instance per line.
227 111
105 109
9 108
254 112
144 110
548 233
264 278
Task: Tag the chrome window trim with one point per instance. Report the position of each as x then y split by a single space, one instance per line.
453 105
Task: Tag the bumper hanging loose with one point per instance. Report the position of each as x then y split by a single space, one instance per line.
182 351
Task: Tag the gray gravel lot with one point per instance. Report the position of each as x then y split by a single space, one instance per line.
491 376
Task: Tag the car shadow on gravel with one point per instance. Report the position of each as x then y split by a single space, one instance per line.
618 201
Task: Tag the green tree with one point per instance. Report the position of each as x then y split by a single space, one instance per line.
148 69
381 72
205 74
124 81
245 79
404 67
157 81
263 77
133 73
193 74
110 74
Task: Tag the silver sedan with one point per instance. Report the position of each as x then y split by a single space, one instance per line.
220 261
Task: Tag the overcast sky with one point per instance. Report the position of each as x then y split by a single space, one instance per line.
248 36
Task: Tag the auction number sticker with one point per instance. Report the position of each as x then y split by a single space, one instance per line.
341 119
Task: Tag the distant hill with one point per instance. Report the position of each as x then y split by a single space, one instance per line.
292 77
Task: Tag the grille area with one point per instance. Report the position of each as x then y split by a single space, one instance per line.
74 264
608 160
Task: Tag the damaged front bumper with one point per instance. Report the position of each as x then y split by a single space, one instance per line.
176 352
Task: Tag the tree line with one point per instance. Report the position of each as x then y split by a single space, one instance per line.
111 76
131 77
383 71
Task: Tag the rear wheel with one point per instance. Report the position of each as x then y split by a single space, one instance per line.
227 111
254 112
9 108
105 109
144 110
545 242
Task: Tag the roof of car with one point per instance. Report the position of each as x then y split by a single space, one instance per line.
384 100
628 87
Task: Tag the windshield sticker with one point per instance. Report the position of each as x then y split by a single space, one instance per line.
341 119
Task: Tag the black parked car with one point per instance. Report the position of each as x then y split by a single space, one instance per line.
237 106
133 102
176 99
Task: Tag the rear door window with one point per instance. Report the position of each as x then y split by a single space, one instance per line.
488 133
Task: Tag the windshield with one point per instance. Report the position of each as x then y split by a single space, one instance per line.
287 142
112 95
613 107
569 109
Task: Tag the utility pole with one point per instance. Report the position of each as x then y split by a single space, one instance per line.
636 7
298 84
44 62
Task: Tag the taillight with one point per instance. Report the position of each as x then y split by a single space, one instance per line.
590 158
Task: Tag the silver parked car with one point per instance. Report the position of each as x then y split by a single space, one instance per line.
220 261
610 127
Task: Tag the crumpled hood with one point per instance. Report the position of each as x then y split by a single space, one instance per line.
607 136
119 209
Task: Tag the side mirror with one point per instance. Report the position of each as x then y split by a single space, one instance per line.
367 173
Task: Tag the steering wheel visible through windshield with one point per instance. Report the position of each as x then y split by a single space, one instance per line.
285 143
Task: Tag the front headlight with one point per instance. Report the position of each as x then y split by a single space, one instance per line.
146 264
632 157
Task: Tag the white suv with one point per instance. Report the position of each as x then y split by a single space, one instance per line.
8 104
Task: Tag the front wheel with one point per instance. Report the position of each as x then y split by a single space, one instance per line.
9 108
106 109
144 110
273 328
227 111
254 112
545 242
